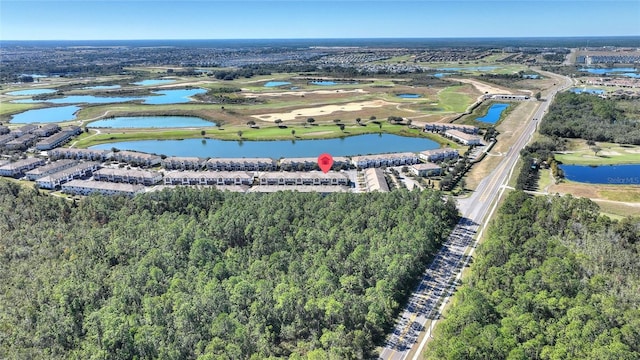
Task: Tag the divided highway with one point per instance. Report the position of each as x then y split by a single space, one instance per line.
439 280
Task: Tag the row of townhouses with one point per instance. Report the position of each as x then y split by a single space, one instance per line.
440 127
53 181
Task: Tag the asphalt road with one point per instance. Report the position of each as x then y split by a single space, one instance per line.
440 278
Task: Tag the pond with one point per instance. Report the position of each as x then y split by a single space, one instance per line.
124 122
79 99
31 92
154 82
442 74
493 115
624 71
409 96
48 115
276 83
172 96
175 96
587 91
348 146
627 174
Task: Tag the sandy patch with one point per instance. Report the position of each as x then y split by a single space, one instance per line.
250 94
484 87
609 153
319 133
321 110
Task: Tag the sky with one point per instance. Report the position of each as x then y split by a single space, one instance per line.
284 19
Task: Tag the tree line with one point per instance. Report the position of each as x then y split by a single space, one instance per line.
204 274
590 117
553 280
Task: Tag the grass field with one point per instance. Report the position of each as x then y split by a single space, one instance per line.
611 154
266 133
455 98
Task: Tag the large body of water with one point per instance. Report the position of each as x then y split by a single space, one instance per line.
48 115
174 96
493 115
31 92
627 71
154 82
127 122
348 146
606 174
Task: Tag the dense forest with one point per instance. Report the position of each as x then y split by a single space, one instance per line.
590 117
204 274
553 280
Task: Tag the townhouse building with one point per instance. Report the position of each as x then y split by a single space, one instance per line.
437 155
208 178
130 176
51 168
88 187
379 160
303 178
241 164
17 168
55 180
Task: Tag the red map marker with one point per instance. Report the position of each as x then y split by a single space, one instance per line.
325 161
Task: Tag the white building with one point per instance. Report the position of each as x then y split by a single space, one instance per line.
437 155
393 159
87 187
208 178
464 138
56 179
303 178
50 168
426 169
17 168
241 164
130 176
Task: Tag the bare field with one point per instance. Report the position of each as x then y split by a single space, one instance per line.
622 200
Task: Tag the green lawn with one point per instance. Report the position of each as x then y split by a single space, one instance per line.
7 108
451 99
266 133
610 154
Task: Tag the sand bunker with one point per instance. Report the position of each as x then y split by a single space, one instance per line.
320 110
249 94
484 87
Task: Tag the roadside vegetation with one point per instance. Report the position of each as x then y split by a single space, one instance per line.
553 279
199 273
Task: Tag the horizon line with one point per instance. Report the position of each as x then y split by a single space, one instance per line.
344 38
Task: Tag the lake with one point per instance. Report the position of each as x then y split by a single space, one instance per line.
587 91
626 71
276 83
607 174
493 115
31 92
48 115
123 122
175 96
178 96
153 82
409 96
348 146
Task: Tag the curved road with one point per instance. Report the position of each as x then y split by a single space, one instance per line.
439 280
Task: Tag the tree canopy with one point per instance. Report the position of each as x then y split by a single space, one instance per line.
204 274
553 280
